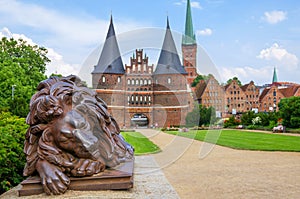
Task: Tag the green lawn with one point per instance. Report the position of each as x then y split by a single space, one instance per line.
141 144
245 140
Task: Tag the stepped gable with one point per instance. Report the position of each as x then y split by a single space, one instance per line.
244 87
226 86
110 61
169 62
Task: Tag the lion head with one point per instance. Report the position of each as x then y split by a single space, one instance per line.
71 133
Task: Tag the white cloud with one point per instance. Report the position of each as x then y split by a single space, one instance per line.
194 4
247 74
280 55
71 37
205 32
178 3
84 30
274 17
5 32
57 64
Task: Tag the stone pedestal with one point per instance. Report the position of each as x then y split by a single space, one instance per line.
119 178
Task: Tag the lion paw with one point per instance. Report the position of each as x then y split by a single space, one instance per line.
86 167
54 181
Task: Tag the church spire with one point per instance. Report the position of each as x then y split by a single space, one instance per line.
169 62
189 36
110 61
274 76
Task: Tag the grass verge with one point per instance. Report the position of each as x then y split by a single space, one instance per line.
245 140
142 145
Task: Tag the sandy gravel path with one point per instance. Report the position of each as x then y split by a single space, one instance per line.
225 172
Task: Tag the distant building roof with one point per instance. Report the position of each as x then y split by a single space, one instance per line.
264 93
169 62
200 88
290 91
110 61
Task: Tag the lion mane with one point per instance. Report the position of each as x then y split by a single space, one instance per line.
70 128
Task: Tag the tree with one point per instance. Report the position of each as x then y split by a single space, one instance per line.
289 110
12 158
236 79
247 118
22 67
201 115
193 117
199 78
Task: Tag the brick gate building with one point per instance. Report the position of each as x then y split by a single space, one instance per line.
143 94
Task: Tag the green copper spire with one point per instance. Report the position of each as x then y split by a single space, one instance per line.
274 76
189 36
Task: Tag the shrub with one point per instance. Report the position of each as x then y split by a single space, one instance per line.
232 122
12 158
256 120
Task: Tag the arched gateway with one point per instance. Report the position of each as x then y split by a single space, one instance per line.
140 120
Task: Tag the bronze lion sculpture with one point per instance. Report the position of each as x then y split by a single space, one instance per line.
71 133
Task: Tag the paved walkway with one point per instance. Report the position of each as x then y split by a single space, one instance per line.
225 172
149 183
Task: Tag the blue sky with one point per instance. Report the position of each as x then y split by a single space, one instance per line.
242 38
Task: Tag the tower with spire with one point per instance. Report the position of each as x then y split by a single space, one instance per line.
274 79
170 86
189 46
109 69
108 76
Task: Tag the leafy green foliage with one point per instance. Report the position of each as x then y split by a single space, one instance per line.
140 143
246 140
231 122
236 79
199 78
268 119
247 118
201 115
22 67
289 110
193 117
12 158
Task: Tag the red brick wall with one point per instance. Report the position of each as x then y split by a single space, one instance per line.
189 53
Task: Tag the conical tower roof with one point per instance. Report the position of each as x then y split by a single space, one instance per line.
274 76
189 37
169 62
110 61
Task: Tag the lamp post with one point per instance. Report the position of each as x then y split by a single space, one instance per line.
13 91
